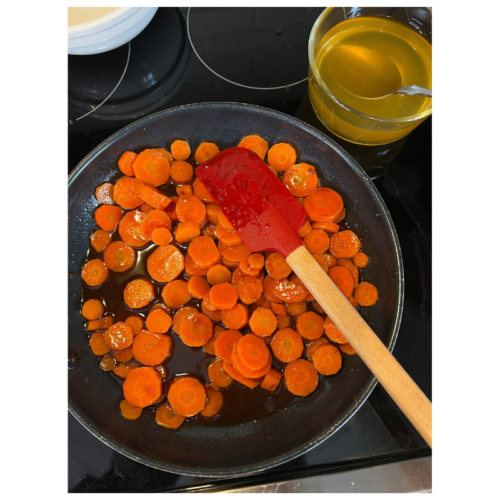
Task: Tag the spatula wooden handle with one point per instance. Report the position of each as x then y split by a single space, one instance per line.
403 390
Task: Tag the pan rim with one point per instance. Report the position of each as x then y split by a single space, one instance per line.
266 464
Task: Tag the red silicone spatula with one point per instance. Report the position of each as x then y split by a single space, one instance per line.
267 217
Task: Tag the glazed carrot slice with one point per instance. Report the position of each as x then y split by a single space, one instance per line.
176 294
153 196
165 263
279 309
236 318
366 294
142 387
310 325
129 228
196 330
263 322
165 153
158 321
161 236
234 254
151 348
213 212
229 238
237 276
287 345
152 166
256 144
224 344
277 266
289 292
281 156
146 208
305 229
126 162
296 308
180 316
323 205
312 346
223 296
127 193
123 356
236 375
268 288
165 417
181 172
283 322
343 278
249 289
333 333
246 269
186 232
107 217
136 323
344 245
180 150
205 151
119 336
340 217
151 221
348 349
296 280
217 375
192 269
98 344
252 352
271 380
301 179
187 396
361 260
106 322
218 274
224 222
92 309
119 256
321 261
209 310
209 347
329 227
191 209
122 370
198 287
353 301
94 272
94 324
330 260
301 378
138 293
352 268
201 191
100 239
327 359
204 252
184 191
246 372
256 261
214 402
104 194
129 411
317 241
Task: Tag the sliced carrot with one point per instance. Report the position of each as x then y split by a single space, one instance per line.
348 349
122 370
166 417
209 347
191 209
123 356
361 260
245 371
340 217
217 375
107 363
104 194
310 325
353 301
305 229
165 263
246 269
263 322
283 322
196 330
142 387
136 323
119 256
343 278
252 352
234 254
129 228
94 324
161 236
289 292
330 260
235 318
317 241
94 272
170 210
201 191
344 245
249 289
268 288
218 274
333 333
146 208
187 396
287 345
100 239
301 179
180 316
107 217
98 344
256 261
323 205
223 296
213 212
213 404
321 261
204 252
297 281
301 378
237 276
312 346
184 191
153 220
138 293
126 162
192 269
176 294
158 321
236 375
165 153
181 172
281 156
327 360
152 166
106 322
130 412
271 380
213 314
366 294
224 344
92 309
296 308
186 232
224 222
277 266
329 227
119 336
151 348
153 196
229 238
279 309
180 150
352 268
127 193
205 151
262 302
198 287
255 144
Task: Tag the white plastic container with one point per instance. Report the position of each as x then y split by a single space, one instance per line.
109 31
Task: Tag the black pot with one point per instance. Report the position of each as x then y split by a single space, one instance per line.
225 450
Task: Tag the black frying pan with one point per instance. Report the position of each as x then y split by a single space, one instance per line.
224 450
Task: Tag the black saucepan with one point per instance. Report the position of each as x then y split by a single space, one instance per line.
225 450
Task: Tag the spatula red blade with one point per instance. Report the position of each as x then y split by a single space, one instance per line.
262 210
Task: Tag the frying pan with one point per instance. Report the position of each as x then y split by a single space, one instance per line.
227 450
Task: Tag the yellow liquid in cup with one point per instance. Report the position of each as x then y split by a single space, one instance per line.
352 62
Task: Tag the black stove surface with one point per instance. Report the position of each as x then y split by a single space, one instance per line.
158 70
